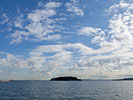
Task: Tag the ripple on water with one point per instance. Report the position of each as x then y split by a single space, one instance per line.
84 90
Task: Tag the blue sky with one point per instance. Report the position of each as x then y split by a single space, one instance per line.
84 38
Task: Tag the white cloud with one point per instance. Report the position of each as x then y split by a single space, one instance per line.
41 24
72 6
113 58
121 28
5 18
61 56
55 60
97 33
117 7
11 61
80 47
86 62
19 20
89 31
53 37
52 5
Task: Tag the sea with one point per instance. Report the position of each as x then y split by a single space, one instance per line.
66 90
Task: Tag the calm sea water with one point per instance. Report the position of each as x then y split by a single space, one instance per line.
80 90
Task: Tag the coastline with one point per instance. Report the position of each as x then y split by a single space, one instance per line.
5 80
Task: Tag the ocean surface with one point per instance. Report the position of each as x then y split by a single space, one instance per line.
69 90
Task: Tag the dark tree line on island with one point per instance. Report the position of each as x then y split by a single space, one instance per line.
66 78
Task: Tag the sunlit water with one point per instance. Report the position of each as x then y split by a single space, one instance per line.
78 90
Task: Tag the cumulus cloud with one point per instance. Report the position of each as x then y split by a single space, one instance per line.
74 8
111 59
120 29
46 59
11 61
5 18
118 7
41 24
97 33
113 56
53 5
80 60
56 58
88 30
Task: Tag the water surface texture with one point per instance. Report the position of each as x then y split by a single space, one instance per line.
63 90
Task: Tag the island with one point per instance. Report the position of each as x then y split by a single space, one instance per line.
66 78
124 79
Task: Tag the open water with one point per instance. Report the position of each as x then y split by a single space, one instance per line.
66 90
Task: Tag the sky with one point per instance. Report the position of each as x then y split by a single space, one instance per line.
41 39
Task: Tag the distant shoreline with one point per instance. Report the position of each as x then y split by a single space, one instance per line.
5 80
70 79
124 79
